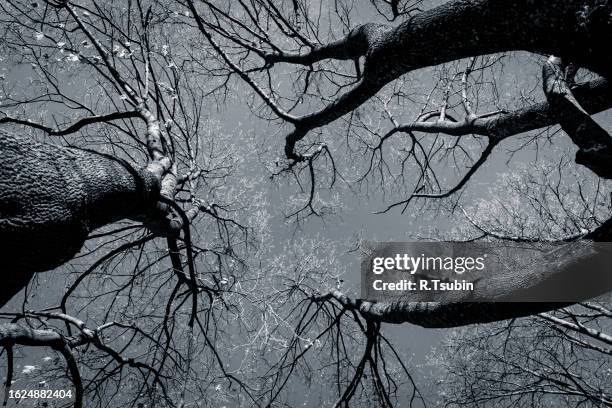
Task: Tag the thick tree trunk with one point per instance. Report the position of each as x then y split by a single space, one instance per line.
52 197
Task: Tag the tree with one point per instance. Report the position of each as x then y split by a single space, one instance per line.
105 127
388 52
102 131
572 32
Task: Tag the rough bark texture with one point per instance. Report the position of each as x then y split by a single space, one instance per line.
52 197
576 29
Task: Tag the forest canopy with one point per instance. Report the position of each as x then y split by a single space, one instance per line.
185 185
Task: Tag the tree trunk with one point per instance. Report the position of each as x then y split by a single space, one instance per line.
52 197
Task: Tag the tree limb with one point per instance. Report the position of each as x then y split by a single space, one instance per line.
78 125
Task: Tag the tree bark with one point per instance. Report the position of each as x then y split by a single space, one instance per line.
52 197
578 30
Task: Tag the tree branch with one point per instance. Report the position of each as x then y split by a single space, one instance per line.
476 28
78 125
506 287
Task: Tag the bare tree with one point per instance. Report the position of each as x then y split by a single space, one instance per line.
384 62
253 41
103 130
